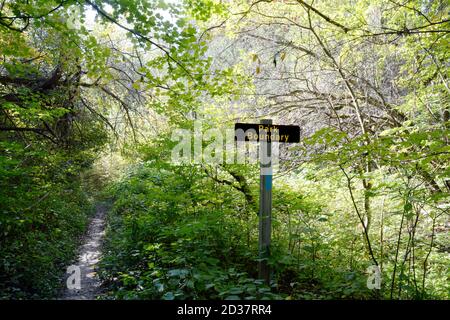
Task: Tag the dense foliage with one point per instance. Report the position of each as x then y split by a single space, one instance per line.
85 83
44 210
182 233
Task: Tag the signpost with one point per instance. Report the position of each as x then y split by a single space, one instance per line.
265 133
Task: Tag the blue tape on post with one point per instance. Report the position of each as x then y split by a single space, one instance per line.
268 182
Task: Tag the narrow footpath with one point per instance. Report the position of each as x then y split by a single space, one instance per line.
89 256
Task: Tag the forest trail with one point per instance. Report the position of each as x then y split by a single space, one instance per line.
89 256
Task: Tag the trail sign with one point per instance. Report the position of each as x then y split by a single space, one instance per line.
264 131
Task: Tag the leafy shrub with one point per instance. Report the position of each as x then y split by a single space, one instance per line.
43 212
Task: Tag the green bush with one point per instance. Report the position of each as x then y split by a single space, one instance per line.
44 210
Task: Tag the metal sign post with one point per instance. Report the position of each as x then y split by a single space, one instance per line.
265 133
265 207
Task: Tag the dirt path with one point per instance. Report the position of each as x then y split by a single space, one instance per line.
89 255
